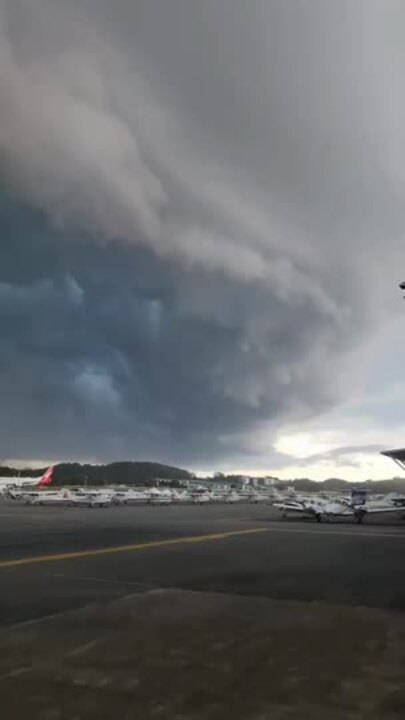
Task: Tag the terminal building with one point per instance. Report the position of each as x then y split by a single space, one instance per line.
222 484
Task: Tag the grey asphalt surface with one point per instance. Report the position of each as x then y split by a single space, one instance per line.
294 560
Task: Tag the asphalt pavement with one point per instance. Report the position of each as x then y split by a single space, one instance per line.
55 558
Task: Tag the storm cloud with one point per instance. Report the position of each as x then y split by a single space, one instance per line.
193 202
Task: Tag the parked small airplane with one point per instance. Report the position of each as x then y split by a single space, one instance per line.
303 508
201 498
257 497
159 497
130 497
64 496
182 496
54 497
325 509
91 499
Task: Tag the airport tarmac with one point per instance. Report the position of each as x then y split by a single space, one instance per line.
199 613
54 559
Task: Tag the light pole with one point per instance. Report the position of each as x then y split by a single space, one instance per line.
402 286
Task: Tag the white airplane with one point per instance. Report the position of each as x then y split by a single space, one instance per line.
201 498
95 492
233 497
325 509
130 497
207 496
159 497
359 512
12 485
64 496
91 499
257 497
182 496
303 508
391 499
54 497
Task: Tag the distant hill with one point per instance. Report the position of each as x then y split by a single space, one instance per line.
120 473
146 473
338 485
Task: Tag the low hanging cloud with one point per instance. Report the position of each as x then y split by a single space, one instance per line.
184 220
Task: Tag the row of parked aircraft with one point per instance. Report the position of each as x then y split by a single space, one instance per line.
35 491
105 497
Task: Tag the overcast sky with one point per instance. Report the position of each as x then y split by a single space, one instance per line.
202 233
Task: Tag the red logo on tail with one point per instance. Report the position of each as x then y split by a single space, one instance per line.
47 477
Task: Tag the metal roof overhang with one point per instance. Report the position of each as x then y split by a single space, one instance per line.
397 455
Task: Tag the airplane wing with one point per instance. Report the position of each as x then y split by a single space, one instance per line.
298 508
383 509
346 512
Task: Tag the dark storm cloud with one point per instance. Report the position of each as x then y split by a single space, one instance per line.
186 210
115 352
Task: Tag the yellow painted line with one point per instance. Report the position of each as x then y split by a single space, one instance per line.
128 548
340 531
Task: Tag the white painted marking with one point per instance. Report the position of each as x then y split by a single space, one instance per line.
90 578
81 649
357 533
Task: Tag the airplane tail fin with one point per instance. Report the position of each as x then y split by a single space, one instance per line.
47 477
